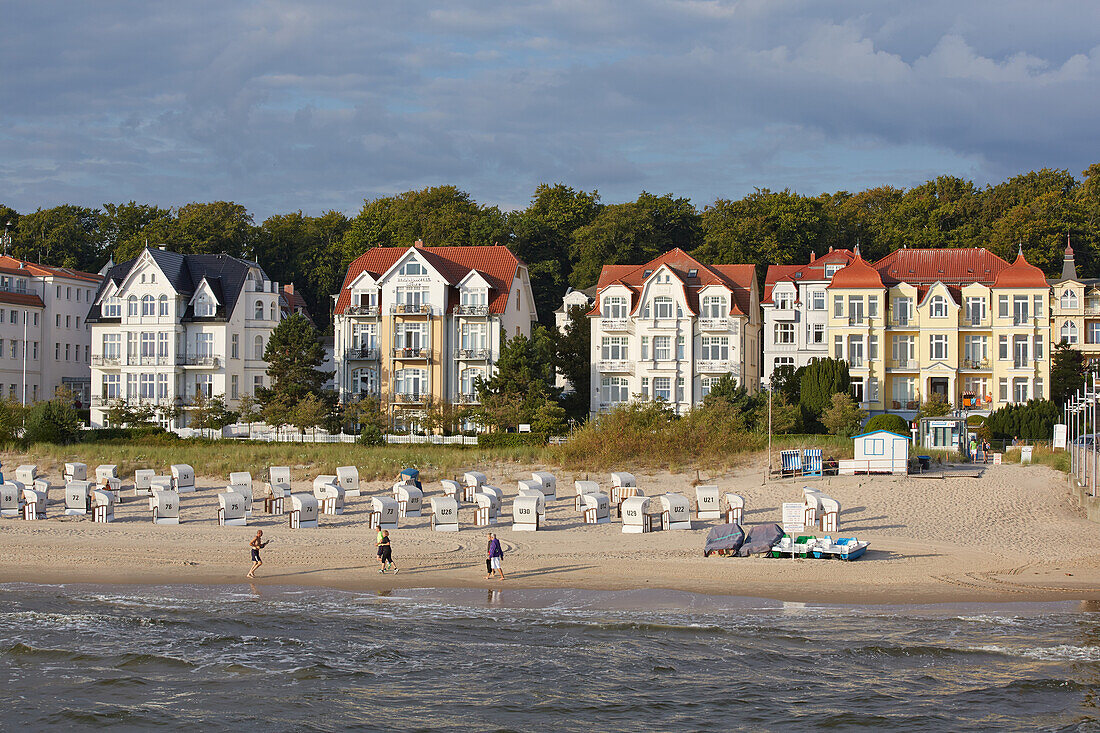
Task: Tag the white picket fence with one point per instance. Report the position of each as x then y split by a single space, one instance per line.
263 432
431 439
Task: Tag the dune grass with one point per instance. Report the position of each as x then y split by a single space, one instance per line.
1058 460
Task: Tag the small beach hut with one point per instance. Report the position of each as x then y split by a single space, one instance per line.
474 481
525 512
166 507
707 502
349 480
582 488
183 478
452 489
77 497
11 498
383 513
678 510
409 501
596 507
879 451
231 509
486 509
34 503
303 511
75 472
103 506
790 462
636 514
411 476
26 474
735 508
830 516
444 513
143 478
549 484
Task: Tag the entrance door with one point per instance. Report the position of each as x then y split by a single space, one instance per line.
938 386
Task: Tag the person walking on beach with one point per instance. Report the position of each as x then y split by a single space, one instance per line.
495 555
385 551
256 544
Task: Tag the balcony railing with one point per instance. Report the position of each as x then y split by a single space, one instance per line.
410 353
902 322
975 364
974 322
615 324
615 365
200 360
1023 320
424 309
906 404
368 353
472 310
855 362
904 364
467 399
264 286
473 354
1092 310
857 321
409 397
721 323
18 287
1021 363
362 310
107 361
724 366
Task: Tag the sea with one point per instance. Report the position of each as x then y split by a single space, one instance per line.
264 658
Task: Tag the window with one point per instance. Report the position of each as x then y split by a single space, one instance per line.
784 333
904 391
838 306
271 313
680 347
838 347
204 385
1037 350
784 300
975 310
1037 306
817 333
148 306
68 293
56 350
1068 332
259 311
645 386
1093 332
1002 312
1038 391
204 345
412 297
817 300
975 386
413 268
162 344
937 346
1019 309
411 336
112 345
517 298
831 270
235 346
77 293
714 306
872 348
1069 300
162 386
680 389
204 306
56 319
36 319
716 348
112 308
855 351
475 337
874 447
662 348
131 306
783 361
412 381
475 298
112 386
614 390
164 305
937 307
872 306
645 347
1019 351
614 348
468 381
257 383
662 307
258 348
1019 389
974 352
66 349
35 347
614 306
855 309
148 344
148 387
1002 348
234 386
68 320
662 388
903 311
365 381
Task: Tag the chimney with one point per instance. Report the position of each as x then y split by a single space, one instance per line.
812 256
1069 269
419 244
289 287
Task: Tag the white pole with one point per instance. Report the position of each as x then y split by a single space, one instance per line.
24 358
770 443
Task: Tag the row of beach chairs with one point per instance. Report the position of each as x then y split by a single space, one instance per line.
805 462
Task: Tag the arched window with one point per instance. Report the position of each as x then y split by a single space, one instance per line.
937 307
273 312
258 351
132 305
164 305
1069 331
148 305
259 310
1069 299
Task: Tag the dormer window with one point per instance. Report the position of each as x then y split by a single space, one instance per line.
204 307
1069 299
413 268
663 307
831 270
937 308
693 273
647 273
614 306
112 308
784 300
714 306
473 297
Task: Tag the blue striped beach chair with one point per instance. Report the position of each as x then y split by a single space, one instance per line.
791 462
811 462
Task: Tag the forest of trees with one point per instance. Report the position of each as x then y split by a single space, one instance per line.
565 236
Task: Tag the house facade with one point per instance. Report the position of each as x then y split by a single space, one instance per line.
963 324
167 327
1075 309
572 298
795 307
421 325
44 337
669 329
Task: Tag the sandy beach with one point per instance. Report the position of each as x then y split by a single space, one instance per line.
1013 534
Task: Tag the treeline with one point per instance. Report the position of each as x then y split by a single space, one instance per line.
565 236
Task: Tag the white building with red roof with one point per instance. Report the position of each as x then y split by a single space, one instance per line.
45 342
669 329
420 325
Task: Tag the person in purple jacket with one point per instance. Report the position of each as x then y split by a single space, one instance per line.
495 555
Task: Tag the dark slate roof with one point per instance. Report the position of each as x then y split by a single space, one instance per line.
226 275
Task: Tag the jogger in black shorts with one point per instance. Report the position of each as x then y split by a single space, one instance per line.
385 552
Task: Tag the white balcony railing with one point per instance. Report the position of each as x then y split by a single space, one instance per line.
424 309
615 324
904 364
409 397
714 366
720 323
616 365
467 399
362 310
472 354
472 310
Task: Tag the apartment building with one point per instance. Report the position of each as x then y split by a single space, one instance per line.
166 327
1075 309
421 325
960 323
44 338
796 314
668 329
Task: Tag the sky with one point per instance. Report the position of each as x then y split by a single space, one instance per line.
285 106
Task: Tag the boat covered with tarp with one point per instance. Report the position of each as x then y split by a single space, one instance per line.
725 539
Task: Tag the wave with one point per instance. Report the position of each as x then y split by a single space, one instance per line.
1059 653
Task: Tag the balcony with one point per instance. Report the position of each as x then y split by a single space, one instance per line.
905 365
1092 309
370 311
975 322
472 354
784 314
467 399
363 353
472 310
407 354
151 361
1019 363
263 286
982 364
902 322
107 361
615 324
906 404
857 321
717 366
1024 320
205 361
409 398
721 323
406 309
622 366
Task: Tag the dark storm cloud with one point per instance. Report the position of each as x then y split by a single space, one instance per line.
286 105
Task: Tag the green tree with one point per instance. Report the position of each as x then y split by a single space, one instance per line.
522 382
294 356
52 421
248 410
785 416
65 236
822 379
211 413
11 420
935 406
550 419
893 423
843 416
123 228
310 412
573 360
765 226
1067 373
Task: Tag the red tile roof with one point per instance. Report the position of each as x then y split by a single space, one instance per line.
495 263
1021 274
858 274
814 270
21 299
740 279
950 266
36 270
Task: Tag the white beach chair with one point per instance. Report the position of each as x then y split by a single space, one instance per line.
549 484
535 492
34 503
11 499
444 513
26 474
231 509
75 472
814 509
78 497
452 489
677 510
240 482
635 511
486 509
708 503
622 480
143 480
383 513
526 516
497 494
329 494
303 511
348 477
278 489
830 514
166 507
735 508
474 480
410 500
597 508
583 488
103 506
107 479
183 478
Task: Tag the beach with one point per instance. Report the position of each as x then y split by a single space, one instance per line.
1014 534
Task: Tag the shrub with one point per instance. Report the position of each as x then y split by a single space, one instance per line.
844 417
53 421
893 423
371 435
1033 420
145 433
510 440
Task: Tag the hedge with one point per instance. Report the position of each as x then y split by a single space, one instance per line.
510 440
